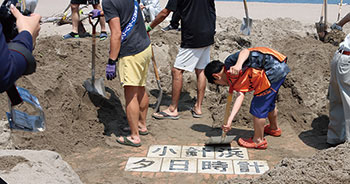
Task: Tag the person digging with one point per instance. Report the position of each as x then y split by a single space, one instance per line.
262 70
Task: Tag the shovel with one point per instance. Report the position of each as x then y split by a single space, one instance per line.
247 22
223 139
340 5
93 85
160 96
321 26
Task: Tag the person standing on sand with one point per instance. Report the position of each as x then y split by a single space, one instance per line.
339 95
150 9
130 52
262 70
74 4
197 35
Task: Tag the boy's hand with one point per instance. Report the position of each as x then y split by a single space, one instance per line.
234 70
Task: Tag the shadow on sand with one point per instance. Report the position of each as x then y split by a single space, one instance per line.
317 137
110 113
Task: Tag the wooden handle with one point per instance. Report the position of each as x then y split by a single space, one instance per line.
227 113
155 68
325 12
340 5
245 8
227 109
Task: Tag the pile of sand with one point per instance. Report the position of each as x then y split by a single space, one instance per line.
327 166
78 121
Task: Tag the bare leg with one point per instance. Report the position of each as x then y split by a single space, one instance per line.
258 129
102 19
273 119
75 17
177 75
201 85
132 112
143 101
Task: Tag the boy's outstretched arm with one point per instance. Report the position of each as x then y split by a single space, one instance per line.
236 106
242 57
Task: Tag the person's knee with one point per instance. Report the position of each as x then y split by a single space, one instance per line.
74 7
97 6
176 71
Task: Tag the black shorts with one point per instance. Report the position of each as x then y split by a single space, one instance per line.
85 2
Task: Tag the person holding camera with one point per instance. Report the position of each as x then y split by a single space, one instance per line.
16 56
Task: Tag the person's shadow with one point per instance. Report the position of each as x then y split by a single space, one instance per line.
317 137
185 101
110 113
216 132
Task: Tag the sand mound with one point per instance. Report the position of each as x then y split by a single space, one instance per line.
327 166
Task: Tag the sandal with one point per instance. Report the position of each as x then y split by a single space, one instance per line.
194 114
164 115
127 129
103 35
71 35
249 143
127 142
272 132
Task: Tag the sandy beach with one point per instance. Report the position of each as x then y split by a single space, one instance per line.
81 128
305 13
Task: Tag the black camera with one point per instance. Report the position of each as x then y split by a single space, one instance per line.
8 21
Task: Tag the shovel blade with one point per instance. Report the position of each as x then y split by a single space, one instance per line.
215 140
321 29
246 26
97 87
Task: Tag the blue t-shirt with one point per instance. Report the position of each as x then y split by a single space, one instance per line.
274 69
12 63
137 40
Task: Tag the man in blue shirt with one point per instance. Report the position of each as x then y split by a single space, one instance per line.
130 54
14 61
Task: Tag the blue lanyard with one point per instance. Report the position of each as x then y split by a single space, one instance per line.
131 23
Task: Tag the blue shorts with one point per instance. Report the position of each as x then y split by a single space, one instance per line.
265 102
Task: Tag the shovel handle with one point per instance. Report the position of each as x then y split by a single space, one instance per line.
245 8
325 12
155 68
340 5
227 113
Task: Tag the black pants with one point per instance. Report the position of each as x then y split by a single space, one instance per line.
175 20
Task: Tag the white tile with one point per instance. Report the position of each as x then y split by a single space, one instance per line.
182 165
197 152
232 153
215 166
169 151
143 164
250 166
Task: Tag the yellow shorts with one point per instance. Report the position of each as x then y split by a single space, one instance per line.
133 69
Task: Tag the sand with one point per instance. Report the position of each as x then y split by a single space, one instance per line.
82 127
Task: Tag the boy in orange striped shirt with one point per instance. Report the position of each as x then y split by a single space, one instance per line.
262 70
